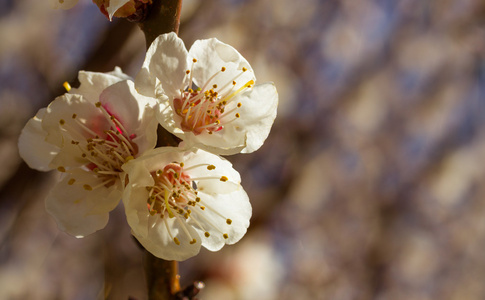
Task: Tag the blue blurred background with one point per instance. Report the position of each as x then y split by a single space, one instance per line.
370 186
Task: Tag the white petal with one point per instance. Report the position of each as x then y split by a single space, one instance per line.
146 83
227 141
33 148
93 83
63 108
134 111
234 206
114 5
258 112
211 56
80 212
168 119
161 244
221 167
166 59
63 4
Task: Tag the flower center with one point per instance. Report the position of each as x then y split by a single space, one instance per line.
207 109
105 149
172 191
174 195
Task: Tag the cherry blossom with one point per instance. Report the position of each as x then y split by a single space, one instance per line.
179 200
208 95
87 135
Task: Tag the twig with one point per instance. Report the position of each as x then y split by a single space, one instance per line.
163 17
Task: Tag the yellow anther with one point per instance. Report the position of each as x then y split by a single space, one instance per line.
225 235
202 207
207 234
239 104
237 115
71 181
211 167
61 169
229 221
98 104
233 82
194 60
244 69
74 116
128 158
176 240
67 86
215 86
223 69
197 199
62 122
87 187
187 72
153 212
193 241
224 178
182 165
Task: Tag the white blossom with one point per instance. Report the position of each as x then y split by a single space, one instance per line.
179 200
207 95
87 135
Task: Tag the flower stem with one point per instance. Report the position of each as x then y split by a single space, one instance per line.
162 277
164 17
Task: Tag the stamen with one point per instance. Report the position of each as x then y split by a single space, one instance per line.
247 85
184 227
167 206
87 129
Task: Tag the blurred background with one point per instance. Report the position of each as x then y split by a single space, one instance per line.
371 184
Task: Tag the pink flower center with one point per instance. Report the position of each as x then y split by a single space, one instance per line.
103 143
174 195
208 109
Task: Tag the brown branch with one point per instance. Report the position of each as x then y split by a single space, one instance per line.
163 17
162 277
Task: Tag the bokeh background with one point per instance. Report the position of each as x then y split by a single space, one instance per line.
370 186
